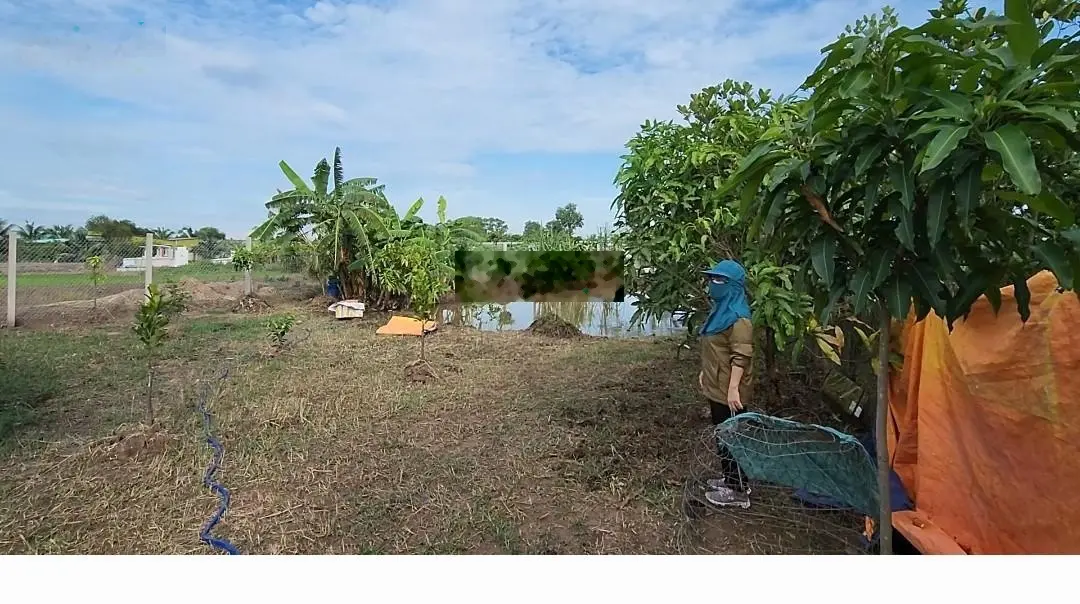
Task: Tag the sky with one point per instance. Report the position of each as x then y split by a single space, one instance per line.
176 113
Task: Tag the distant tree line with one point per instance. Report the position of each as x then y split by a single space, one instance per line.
567 221
107 237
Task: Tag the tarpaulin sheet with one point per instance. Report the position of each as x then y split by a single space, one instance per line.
406 326
985 427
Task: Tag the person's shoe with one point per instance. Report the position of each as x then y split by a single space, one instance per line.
715 484
726 497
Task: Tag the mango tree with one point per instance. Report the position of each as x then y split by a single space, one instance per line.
670 220
936 165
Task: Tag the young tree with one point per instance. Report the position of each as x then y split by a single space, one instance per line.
151 327
934 168
96 264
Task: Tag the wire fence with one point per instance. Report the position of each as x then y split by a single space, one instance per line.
72 282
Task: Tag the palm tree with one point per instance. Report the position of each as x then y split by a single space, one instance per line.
60 231
4 227
162 233
330 221
186 232
31 231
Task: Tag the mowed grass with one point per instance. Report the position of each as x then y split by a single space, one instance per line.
81 278
522 444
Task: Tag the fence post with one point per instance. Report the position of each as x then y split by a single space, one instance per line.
148 261
247 272
13 248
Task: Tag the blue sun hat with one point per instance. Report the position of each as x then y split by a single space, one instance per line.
728 297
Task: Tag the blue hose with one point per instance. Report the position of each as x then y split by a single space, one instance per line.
205 535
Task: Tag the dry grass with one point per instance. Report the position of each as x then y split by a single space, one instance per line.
523 444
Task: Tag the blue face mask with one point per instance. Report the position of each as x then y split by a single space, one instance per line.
719 290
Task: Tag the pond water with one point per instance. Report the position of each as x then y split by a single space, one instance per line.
592 317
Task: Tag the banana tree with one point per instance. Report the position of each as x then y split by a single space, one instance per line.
397 237
331 221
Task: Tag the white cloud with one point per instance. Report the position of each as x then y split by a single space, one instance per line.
411 90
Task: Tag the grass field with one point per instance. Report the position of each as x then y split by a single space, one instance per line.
521 443
78 277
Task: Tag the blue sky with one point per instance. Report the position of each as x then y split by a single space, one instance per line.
176 113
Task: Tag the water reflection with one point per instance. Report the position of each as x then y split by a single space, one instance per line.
592 317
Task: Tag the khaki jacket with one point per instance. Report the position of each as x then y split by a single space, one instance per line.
719 352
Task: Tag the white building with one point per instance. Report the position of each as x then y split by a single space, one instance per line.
164 256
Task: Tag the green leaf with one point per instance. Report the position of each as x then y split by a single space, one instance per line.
905 230
1046 51
898 297
1010 142
856 82
1049 204
880 262
868 156
776 209
956 104
969 82
294 178
750 190
968 190
972 287
1022 34
861 287
1073 235
1054 257
873 190
937 211
942 146
929 287
859 50
823 255
993 295
1023 297
1062 117
904 182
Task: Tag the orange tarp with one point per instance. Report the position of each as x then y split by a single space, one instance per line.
984 427
405 326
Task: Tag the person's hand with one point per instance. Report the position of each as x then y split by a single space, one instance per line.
734 400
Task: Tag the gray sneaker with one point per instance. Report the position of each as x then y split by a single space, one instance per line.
715 484
726 497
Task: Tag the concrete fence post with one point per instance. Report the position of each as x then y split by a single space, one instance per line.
13 249
148 261
248 288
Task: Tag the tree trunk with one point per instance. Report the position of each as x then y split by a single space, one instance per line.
881 433
422 339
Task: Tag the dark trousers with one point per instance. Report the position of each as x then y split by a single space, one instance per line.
732 473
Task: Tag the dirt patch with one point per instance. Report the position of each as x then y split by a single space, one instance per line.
553 327
140 443
251 304
420 371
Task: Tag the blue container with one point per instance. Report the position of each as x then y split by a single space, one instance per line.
333 288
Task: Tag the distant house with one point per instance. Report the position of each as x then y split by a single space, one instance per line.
164 256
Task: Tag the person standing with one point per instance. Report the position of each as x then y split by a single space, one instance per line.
727 353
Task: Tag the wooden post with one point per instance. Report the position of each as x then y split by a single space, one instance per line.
248 290
148 260
881 433
13 248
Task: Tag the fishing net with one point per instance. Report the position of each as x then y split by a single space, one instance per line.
810 489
